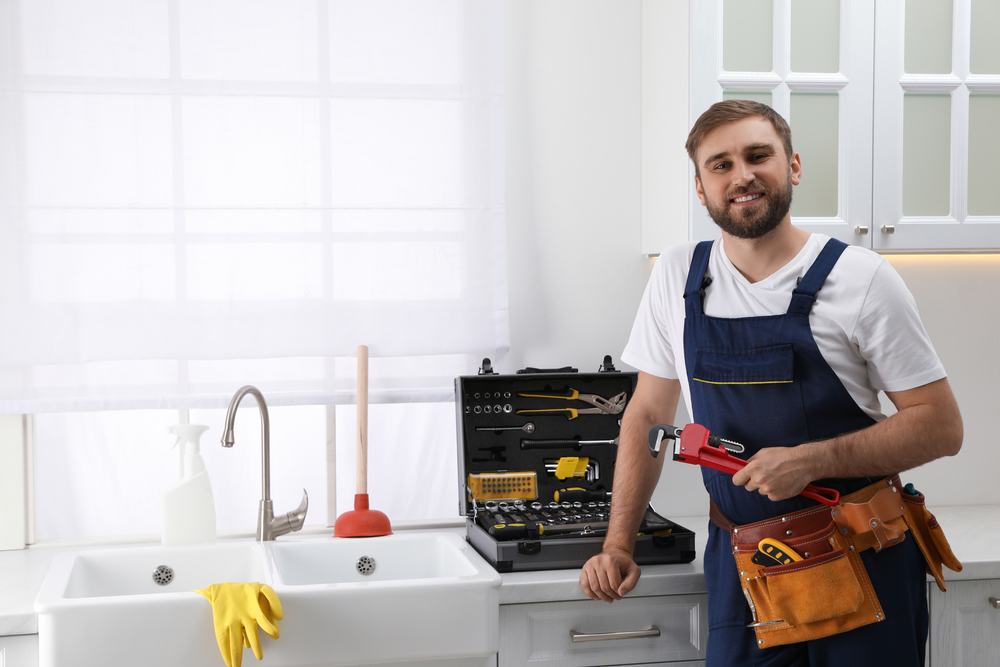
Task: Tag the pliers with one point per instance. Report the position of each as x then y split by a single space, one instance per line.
605 406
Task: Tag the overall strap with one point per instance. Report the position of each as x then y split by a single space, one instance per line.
804 295
696 276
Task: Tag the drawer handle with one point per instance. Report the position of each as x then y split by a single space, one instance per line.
995 602
608 636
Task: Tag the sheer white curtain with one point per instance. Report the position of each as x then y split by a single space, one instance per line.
192 182
200 194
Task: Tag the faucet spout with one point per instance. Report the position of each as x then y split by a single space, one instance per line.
228 438
268 528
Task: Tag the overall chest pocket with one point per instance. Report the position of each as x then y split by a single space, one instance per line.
745 366
750 395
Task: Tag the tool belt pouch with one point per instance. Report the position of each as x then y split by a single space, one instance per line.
828 591
928 534
825 593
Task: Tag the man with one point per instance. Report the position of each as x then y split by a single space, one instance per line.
794 379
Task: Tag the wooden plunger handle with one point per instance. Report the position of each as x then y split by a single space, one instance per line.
362 479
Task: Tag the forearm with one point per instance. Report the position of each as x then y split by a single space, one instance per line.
927 426
636 475
915 435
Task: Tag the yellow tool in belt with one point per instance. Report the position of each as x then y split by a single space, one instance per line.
602 406
773 552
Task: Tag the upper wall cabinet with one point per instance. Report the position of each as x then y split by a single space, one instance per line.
894 108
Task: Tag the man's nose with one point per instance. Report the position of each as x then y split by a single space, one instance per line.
742 173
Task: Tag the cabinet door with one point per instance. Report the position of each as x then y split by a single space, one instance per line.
810 60
19 651
542 634
965 624
937 101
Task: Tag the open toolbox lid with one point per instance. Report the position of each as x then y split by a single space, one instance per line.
539 432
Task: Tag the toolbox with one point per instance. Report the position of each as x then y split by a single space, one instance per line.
536 464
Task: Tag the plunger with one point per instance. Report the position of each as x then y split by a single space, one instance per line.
362 522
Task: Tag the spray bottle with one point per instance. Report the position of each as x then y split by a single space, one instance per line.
189 506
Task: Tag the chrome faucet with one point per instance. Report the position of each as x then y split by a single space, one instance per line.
268 527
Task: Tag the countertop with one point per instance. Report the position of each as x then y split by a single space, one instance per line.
972 531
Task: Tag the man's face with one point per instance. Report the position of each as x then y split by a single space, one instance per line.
745 179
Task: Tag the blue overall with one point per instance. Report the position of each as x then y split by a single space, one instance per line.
763 382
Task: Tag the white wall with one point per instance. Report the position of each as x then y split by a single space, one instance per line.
574 196
576 173
573 94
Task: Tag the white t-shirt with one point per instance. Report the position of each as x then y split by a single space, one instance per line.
864 320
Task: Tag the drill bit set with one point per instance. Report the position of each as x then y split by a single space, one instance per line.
536 475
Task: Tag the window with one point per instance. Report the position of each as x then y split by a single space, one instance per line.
198 195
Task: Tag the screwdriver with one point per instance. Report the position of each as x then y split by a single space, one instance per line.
516 531
555 444
581 495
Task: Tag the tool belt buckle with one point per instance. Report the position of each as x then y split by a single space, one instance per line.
872 517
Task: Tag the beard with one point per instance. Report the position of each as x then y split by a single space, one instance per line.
755 221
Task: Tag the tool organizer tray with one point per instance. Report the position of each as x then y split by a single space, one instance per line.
536 463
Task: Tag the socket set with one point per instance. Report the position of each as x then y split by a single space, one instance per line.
536 467
569 514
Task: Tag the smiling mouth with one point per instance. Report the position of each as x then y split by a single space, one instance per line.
747 198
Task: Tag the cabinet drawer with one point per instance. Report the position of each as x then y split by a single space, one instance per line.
533 634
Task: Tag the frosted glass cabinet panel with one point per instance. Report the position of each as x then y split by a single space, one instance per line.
820 81
985 55
815 35
746 30
814 128
984 147
894 107
928 36
935 140
926 154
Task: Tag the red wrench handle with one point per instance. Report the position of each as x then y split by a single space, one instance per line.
823 494
693 448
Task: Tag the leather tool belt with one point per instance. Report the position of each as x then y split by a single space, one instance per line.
828 591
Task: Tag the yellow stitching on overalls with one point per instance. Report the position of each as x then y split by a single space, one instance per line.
763 382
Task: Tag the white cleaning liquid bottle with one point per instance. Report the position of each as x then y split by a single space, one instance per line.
189 506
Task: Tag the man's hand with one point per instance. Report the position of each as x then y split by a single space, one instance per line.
609 575
927 426
612 573
776 472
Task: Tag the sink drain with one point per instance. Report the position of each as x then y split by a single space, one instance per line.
365 565
163 575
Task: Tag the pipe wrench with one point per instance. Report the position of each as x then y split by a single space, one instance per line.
695 445
605 406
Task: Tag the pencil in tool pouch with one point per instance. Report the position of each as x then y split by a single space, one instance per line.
694 445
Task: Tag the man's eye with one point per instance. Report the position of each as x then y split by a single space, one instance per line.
721 165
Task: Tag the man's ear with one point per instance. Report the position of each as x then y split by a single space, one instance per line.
700 190
795 167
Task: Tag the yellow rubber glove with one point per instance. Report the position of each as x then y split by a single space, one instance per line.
237 610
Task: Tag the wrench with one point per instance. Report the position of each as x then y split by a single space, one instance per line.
693 445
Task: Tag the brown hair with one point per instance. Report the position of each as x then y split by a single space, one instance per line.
730 111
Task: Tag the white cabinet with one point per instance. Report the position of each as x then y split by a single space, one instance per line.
662 630
892 107
19 651
965 624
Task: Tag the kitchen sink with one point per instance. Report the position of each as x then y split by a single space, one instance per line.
404 597
385 599
136 605
121 572
414 558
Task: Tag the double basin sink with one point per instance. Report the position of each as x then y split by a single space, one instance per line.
403 597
